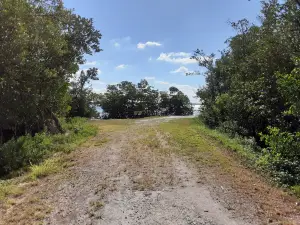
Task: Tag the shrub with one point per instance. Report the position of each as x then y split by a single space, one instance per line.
28 150
282 156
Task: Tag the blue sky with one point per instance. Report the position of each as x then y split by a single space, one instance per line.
153 39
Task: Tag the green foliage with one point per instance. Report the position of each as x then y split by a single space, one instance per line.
289 85
28 150
42 44
84 101
255 85
296 190
123 100
282 157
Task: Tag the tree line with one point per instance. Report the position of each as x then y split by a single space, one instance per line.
128 100
42 46
253 89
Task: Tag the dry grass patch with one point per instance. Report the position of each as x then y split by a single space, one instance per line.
26 211
148 161
107 126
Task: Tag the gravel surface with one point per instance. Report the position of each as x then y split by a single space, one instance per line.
126 182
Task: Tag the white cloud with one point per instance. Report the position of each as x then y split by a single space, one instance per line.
150 78
119 42
162 82
188 90
150 59
181 69
120 67
148 43
90 63
177 57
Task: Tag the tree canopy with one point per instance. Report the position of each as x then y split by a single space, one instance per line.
125 99
42 44
253 88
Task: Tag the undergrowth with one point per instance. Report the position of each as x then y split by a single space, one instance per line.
17 155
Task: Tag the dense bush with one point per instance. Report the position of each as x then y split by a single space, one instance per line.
282 157
253 89
42 45
28 150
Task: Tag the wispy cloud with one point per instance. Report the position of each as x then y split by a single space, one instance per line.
188 90
150 78
176 57
182 70
148 44
122 66
162 82
119 42
90 63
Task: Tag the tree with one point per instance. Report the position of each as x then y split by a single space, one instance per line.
42 44
179 104
84 101
252 89
124 99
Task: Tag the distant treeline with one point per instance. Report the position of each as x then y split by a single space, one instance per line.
128 100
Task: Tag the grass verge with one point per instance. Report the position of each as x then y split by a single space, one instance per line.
40 156
221 158
28 159
202 143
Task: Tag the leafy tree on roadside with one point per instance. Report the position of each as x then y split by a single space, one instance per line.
42 44
252 89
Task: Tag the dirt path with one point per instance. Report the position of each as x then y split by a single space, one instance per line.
136 179
133 174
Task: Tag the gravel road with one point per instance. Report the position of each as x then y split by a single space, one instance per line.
129 182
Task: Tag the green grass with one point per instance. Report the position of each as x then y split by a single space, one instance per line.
205 145
242 147
8 188
27 150
39 156
296 190
216 149
49 166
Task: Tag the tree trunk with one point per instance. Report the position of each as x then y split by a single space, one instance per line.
53 117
